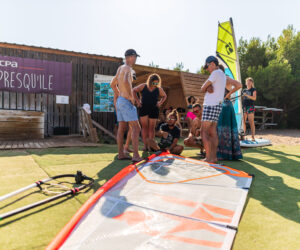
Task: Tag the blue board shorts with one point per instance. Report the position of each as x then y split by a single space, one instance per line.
126 111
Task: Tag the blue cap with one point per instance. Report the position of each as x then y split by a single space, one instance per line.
209 60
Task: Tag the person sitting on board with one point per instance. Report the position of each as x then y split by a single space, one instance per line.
214 89
126 111
229 144
170 134
194 139
149 106
249 96
190 116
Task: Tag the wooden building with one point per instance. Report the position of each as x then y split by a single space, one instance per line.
177 85
84 66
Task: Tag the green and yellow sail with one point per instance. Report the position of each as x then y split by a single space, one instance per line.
227 52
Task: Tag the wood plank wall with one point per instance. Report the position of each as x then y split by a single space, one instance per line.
18 125
62 115
192 83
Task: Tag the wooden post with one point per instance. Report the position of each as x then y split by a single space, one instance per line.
87 129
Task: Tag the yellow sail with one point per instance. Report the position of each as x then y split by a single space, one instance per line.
227 52
226 49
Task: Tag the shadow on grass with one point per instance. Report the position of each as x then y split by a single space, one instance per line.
271 191
274 194
20 217
282 163
109 171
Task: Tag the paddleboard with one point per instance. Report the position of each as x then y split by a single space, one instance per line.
257 143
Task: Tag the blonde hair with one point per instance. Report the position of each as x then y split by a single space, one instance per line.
174 113
251 80
149 80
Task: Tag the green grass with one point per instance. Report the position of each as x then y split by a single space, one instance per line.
271 219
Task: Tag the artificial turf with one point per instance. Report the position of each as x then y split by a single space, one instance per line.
271 218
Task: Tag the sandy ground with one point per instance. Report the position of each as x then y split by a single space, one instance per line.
278 136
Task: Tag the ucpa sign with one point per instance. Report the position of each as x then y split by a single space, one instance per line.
12 64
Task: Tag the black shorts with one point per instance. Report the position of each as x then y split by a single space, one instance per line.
151 111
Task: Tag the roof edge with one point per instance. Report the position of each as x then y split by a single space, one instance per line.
59 51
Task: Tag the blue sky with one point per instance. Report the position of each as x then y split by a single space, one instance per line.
162 31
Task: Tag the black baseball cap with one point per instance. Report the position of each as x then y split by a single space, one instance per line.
131 52
209 60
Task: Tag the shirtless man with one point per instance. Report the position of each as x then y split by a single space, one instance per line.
126 111
194 140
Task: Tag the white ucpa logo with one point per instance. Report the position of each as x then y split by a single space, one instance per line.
8 63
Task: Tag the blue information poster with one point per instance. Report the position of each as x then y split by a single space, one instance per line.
103 94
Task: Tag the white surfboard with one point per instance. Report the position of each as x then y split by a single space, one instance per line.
257 143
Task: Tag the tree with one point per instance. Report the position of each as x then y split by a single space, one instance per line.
180 67
202 71
289 49
275 68
252 54
153 65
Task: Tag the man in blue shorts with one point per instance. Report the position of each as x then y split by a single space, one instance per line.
214 89
126 111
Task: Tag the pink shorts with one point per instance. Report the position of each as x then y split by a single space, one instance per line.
191 115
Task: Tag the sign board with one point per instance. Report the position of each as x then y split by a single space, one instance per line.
28 75
103 94
62 99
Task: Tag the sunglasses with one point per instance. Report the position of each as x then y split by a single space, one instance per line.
206 65
155 83
171 119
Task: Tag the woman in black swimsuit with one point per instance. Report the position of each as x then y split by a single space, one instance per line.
149 105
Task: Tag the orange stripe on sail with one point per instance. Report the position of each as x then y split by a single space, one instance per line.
178 201
168 183
200 213
194 241
219 210
227 172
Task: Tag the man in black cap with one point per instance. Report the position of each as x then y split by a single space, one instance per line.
125 109
214 89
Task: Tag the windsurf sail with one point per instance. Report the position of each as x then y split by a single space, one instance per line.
166 202
227 52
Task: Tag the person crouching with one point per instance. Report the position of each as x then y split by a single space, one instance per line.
169 134
194 139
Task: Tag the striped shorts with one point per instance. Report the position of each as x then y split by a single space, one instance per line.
211 113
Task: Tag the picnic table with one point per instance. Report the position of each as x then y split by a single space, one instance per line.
264 116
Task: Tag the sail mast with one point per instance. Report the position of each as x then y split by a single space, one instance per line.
239 77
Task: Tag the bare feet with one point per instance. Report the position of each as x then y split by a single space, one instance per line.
137 159
210 161
128 150
214 161
124 157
